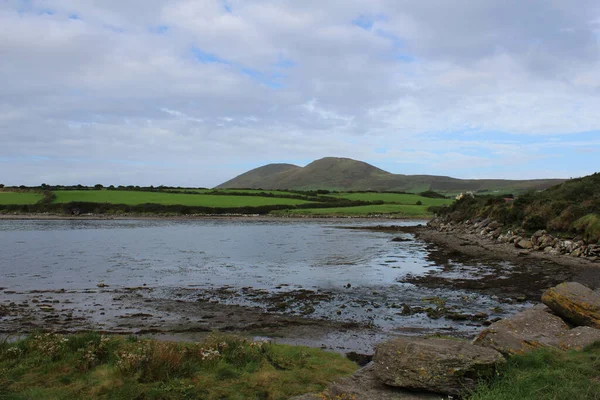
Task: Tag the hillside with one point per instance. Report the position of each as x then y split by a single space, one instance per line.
346 174
254 178
571 207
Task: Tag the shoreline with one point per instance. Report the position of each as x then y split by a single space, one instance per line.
254 217
136 310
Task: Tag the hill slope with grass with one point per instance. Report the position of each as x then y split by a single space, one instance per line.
572 207
342 174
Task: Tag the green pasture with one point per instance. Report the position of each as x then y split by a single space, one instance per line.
19 197
397 198
241 191
398 210
134 197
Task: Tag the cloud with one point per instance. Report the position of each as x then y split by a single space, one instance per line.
458 88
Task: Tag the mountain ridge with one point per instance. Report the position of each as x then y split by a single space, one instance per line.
342 174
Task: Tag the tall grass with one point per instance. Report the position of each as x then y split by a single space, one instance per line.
52 366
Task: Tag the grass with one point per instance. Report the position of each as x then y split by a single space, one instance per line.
398 210
395 198
135 197
87 366
247 191
19 197
547 374
589 225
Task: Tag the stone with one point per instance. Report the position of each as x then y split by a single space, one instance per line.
364 385
436 365
575 303
579 337
523 244
525 331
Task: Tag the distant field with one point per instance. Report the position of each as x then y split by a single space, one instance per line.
398 210
250 191
19 198
399 198
133 198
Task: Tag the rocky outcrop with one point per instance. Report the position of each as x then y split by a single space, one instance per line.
523 332
437 365
575 303
540 241
454 367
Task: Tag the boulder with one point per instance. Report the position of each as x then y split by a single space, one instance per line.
580 337
523 244
436 365
364 385
575 303
523 332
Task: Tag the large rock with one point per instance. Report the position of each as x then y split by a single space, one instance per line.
436 365
578 338
575 303
364 385
523 332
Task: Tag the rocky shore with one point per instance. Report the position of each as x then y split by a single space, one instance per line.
525 244
415 368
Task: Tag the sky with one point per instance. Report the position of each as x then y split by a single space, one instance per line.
195 92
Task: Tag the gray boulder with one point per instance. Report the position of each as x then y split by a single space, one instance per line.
364 385
437 365
578 338
523 332
575 303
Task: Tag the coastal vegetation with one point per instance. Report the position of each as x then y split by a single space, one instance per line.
569 208
91 365
546 374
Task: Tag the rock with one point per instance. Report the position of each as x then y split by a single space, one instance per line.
436 365
523 244
400 239
575 303
364 385
523 332
578 338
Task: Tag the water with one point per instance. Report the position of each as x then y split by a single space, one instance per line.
356 274
80 254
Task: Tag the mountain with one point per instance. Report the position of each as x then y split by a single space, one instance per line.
341 174
258 176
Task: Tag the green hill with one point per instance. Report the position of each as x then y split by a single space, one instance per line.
343 174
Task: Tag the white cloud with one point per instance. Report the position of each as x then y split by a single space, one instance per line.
112 80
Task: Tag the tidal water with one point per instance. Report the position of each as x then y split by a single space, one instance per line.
359 272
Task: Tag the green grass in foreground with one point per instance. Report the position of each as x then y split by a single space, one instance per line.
133 197
398 198
398 210
19 197
547 374
88 366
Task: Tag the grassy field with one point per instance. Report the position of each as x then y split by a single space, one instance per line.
398 210
248 191
19 197
89 366
397 198
547 374
133 197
